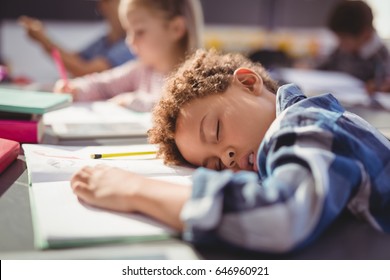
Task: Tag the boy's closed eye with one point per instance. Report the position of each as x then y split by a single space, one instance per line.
217 131
218 162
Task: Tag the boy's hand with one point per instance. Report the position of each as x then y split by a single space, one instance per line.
386 85
120 190
383 87
107 187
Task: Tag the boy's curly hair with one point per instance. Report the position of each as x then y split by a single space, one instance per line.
203 74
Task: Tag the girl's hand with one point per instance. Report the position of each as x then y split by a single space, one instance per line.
33 27
131 100
62 86
123 99
107 187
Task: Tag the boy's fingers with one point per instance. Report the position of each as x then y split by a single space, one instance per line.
83 175
82 191
87 169
78 186
101 166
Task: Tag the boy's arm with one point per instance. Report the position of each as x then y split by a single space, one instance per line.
330 62
163 201
120 190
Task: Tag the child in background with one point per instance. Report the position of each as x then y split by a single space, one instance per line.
106 52
360 51
160 33
291 164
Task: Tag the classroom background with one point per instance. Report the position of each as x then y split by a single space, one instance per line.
296 27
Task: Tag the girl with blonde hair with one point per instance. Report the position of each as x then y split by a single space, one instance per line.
161 34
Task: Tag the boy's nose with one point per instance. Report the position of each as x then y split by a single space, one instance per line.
229 158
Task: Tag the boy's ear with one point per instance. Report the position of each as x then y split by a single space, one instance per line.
178 27
249 79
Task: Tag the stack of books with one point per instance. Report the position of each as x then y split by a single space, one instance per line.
21 113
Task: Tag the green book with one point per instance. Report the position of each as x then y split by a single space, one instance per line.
31 102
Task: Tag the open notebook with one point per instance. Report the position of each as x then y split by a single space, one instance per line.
61 220
92 120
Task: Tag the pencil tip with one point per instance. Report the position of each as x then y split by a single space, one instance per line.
96 156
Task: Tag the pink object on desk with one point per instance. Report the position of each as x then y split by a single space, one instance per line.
9 151
24 131
60 64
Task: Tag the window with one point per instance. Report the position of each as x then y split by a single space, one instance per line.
381 9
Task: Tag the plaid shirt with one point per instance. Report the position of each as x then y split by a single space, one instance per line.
315 160
372 62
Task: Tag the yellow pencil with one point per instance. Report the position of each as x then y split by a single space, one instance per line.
97 156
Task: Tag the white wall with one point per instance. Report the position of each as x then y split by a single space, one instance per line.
25 57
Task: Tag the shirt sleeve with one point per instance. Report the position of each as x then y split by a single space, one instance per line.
305 187
94 49
118 54
330 62
115 54
109 83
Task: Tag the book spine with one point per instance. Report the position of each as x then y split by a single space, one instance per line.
21 131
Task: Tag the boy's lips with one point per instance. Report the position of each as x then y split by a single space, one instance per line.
248 162
255 167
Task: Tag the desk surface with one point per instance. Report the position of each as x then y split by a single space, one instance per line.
347 238
17 237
